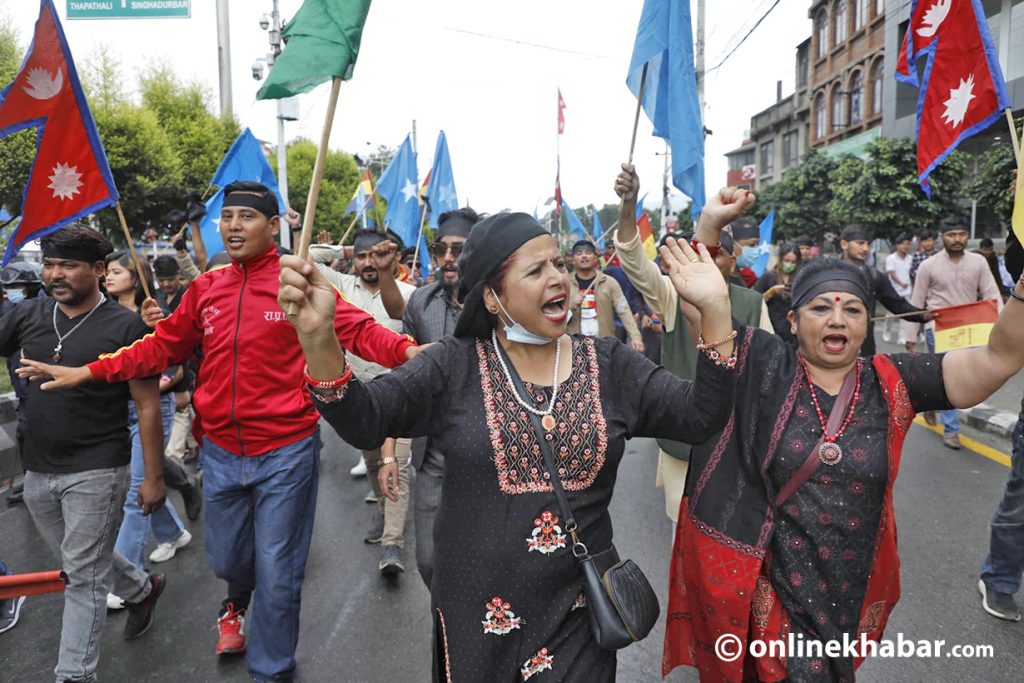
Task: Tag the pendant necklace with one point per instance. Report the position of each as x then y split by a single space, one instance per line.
547 420
829 452
61 337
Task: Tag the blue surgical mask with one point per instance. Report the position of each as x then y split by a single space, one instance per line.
520 335
748 257
15 295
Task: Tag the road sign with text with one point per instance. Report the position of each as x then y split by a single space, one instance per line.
128 9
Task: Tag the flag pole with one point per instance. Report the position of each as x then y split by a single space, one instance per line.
131 248
419 238
1014 138
318 171
636 117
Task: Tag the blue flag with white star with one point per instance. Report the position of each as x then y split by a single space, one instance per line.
765 244
576 228
399 186
441 189
598 231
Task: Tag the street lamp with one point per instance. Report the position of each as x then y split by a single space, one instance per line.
287 109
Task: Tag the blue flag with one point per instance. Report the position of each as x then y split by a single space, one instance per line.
441 188
664 42
575 225
400 188
764 244
244 161
640 206
598 231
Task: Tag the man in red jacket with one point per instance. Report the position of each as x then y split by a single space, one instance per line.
260 451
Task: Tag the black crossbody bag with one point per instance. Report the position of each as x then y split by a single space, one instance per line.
620 601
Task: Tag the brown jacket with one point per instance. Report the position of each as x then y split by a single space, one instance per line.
611 302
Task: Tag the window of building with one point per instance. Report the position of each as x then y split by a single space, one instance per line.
839 20
876 88
838 109
879 7
790 149
856 98
767 158
819 116
821 33
860 14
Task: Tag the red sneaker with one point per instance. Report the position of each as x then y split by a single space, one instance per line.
231 630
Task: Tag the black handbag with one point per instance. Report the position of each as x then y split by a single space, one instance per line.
620 601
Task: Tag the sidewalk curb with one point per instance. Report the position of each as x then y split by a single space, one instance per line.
988 419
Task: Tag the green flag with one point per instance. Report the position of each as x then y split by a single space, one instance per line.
322 42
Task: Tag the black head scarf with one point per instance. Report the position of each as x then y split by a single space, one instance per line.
828 275
491 241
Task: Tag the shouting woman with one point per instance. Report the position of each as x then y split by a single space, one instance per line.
506 589
787 526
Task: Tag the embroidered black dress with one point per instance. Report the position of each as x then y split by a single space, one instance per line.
506 590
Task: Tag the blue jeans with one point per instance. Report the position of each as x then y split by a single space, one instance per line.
259 523
950 418
133 537
1005 561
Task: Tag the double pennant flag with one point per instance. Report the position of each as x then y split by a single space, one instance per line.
69 177
963 91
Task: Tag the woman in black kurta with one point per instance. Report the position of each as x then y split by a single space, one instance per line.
506 590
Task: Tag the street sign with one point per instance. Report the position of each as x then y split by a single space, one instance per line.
128 9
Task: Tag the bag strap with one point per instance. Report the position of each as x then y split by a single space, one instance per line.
578 548
835 418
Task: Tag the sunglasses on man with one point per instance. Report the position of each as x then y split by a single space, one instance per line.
440 249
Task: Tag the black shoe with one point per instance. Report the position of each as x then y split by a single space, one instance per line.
376 532
390 561
16 495
10 610
193 499
140 614
999 605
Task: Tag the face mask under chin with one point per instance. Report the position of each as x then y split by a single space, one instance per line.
520 335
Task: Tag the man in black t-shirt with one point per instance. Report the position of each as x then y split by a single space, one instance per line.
77 447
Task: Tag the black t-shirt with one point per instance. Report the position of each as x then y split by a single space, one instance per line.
585 284
80 429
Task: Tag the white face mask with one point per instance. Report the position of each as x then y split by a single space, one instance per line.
15 295
519 334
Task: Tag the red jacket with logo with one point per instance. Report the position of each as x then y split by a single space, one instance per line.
250 396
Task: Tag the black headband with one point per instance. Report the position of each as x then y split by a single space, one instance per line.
455 226
265 204
365 242
89 253
828 281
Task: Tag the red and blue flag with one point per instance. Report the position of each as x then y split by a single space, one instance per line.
962 90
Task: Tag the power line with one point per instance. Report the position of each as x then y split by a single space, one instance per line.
753 28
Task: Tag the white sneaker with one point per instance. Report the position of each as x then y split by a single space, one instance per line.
359 470
114 602
166 551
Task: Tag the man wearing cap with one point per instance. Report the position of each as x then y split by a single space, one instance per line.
168 282
596 299
260 446
375 262
678 348
952 277
77 446
746 235
432 313
855 243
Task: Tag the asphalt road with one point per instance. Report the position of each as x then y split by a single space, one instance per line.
358 627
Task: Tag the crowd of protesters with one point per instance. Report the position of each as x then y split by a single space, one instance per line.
458 386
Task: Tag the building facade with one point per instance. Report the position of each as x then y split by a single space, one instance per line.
847 73
742 167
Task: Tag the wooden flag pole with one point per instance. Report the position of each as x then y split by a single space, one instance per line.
131 248
419 238
895 315
1014 139
636 117
318 172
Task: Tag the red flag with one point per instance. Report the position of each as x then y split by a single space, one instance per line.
643 226
70 177
963 91
561 113
958 327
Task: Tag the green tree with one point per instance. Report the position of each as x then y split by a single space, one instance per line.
801 199
341 177
18 149
882 191
991 183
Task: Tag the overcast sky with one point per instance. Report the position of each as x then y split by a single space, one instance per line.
487 74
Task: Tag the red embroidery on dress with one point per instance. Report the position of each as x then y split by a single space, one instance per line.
872 618
547 536
537 663
499 618
579 440
761 603
444 638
